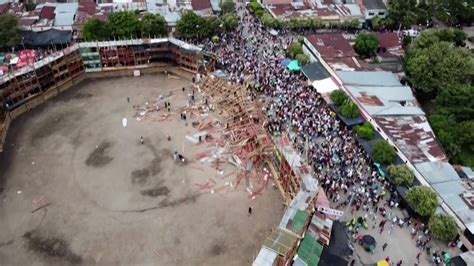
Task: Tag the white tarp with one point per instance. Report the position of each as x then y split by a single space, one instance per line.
326 85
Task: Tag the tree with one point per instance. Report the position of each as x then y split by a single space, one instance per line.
295 49
438 66
423 200
302 59
191 25
454 11
383 152
407 40
443 227
124 25
213 25
270 22
9 32
366 131
456 99
402 175
338 97
447 132
231 22
153 25
254 6
365 44
401 13
377 23
95 30
349 109
227 6
301 39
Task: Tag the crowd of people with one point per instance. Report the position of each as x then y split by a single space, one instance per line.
344 170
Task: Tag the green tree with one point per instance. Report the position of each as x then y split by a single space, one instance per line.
349 109
338 97
365 44
270 22
438 66
366 131
124 25
254 6
302 59
456 99
9 32
213 25
295 49
231 22
407 40
383 152
95 30
443 227
447 132
153 25
423 200
191 25
377 23
227 6
454 11
402 175
401 13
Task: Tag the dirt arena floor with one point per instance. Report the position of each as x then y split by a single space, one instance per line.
113 201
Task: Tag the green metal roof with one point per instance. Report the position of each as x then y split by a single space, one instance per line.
310 250
299 221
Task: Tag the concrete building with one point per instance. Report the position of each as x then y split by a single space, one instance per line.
372 8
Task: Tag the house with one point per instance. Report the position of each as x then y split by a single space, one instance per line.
372 8
390 47
202 7
336 51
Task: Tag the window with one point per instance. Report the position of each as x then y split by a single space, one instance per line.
371 13
381 13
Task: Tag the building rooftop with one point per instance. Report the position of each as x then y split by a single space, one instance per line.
331 45
453 190
200 4
374 4
4 8
369 78
396 112
389 44
386 101
437 172
47 12
413 136
315 71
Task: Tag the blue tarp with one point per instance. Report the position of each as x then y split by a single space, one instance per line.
285 62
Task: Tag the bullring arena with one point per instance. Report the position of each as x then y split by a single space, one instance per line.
81 187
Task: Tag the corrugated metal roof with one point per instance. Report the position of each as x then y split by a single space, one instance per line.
265 257
374 4
437 172
413 136
200 4
64 19
369 78
47 12
381 100
281 241
310 251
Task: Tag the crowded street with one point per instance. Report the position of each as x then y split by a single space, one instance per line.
350 179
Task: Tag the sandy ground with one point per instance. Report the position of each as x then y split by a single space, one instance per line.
113 201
